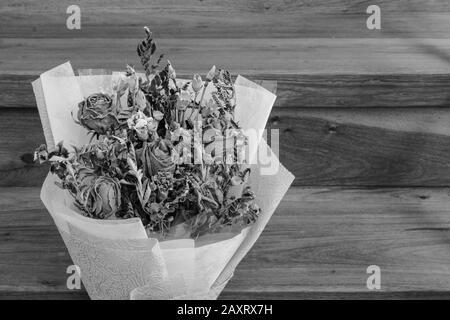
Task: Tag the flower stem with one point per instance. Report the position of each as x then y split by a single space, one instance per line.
182 118
192 112
201 99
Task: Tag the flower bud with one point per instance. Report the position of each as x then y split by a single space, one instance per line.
211 74
183 100
197 83
140 100
171 70
158 115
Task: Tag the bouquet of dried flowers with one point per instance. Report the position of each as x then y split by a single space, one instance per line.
153 184
141 163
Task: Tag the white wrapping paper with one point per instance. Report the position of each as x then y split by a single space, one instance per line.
116 257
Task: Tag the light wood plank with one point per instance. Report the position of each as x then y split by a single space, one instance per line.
243 56
225 18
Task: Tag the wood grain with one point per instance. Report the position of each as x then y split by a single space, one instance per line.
320 146
303 91
244 56
225 18
318 244
356 109
320 151
21 134
243 295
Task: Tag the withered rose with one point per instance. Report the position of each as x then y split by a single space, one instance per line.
97 113
99 196
158 156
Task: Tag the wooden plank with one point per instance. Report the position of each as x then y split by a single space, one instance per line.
243 56
47 295
318 244
330 236
382 147
17 91
244 295
225 18
320 146
22 133
303 91
370 295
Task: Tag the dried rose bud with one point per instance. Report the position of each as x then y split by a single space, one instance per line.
211 74
158 156
171 70
158 115
140 100
197 83
97 113
99 196
183 100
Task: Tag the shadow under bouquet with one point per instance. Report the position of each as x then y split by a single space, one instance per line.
156 183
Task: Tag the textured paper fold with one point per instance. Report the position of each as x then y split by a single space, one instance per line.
116 257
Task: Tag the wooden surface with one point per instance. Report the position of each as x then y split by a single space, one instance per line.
225 18
245 56
364 126
320 241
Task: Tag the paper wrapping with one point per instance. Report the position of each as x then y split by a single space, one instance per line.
117 259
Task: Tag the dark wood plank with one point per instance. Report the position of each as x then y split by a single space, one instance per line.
320 146
370 295
225 18
21 133
243 56
318 244
244 295
303 91
16 91
44 295
377 148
